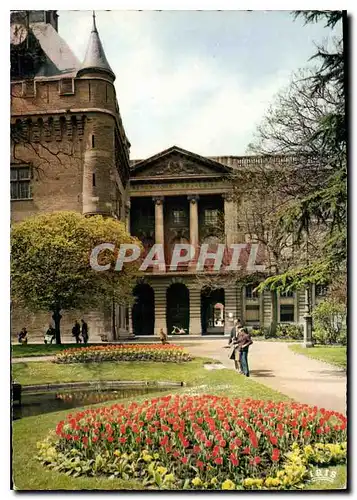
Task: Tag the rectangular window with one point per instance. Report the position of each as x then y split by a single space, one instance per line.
211 217
66 86
20 183
252 313
286 313
93 179
249 293
28 88
320 290
178 216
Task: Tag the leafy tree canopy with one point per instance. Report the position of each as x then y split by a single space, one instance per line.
50 262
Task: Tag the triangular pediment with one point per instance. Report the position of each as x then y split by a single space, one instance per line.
177 162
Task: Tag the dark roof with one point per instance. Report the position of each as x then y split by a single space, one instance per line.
95 58
60 58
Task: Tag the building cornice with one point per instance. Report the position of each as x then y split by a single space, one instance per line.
75 111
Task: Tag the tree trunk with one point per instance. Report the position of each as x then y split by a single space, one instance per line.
57 319
274 312
113 320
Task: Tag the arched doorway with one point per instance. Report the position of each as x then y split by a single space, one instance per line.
212 311
177 307
143 310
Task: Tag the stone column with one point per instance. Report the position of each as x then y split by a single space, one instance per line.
159 219
230 306
230 217
308 342
130 326
194 238
261 310
195 311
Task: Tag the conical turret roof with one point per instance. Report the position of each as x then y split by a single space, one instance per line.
95 59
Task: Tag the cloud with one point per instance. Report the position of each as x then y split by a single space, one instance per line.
203 83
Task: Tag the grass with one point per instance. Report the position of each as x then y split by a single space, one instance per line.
29 350
28 474
192 373
336 355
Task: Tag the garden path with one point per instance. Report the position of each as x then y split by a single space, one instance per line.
272 363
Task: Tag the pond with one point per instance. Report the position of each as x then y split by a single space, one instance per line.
52 401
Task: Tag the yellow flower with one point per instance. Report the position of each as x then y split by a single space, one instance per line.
249 481
147 458
161 470
117 453
272 481
169 478
228 485
196 481
214 481
156 456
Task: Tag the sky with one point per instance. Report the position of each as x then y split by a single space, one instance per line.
201 80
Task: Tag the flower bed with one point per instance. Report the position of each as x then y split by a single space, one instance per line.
124 352
198 442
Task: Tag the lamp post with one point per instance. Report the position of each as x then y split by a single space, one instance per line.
308 342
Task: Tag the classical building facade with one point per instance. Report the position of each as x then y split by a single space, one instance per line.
70 152
178 197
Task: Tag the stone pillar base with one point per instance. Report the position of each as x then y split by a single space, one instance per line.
308 342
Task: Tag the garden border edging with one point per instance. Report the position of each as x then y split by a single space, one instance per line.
100 384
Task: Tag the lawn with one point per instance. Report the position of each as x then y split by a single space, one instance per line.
28 474
192 373
30 350
336 355
22 351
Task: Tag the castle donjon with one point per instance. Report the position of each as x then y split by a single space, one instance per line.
69 151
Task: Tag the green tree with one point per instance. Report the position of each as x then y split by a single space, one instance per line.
308 124
50 263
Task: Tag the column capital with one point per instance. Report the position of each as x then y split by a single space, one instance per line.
193 198
159 200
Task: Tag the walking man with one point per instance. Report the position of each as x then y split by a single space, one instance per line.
76 331
233 339
244 341
84 331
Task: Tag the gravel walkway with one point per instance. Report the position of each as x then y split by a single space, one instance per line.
272 363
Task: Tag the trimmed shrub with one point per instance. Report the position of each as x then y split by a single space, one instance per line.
258 332
290 331
124 352
198 442
329 320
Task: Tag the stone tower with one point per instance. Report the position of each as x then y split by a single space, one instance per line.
69 150
105 144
